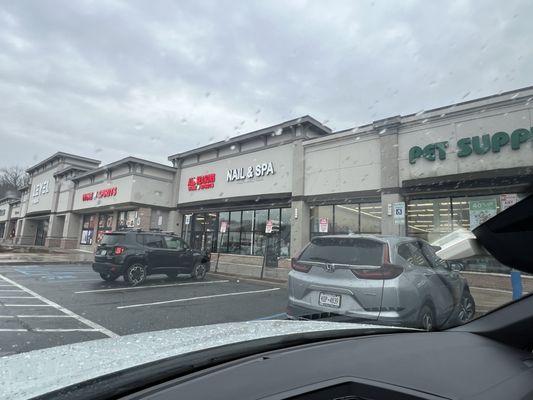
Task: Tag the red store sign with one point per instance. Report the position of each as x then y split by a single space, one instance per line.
201 182
99 194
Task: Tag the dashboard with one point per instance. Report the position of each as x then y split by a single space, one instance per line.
415 365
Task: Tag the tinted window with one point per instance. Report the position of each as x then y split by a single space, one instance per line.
174 243
344 251
433 258
412 253
154 241
113 239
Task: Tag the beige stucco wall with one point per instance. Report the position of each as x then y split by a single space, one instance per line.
41 201
345 164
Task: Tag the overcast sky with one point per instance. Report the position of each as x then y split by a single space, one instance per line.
108 79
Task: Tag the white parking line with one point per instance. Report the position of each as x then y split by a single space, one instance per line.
11 290
27 305
491 290
35 316
50 330
199 298
64 310
148 287
16 297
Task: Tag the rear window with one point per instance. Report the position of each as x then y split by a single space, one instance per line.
112 239
353 251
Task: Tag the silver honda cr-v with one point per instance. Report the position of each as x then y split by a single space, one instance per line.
387 279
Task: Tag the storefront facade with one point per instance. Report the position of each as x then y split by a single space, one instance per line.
268 192
235 197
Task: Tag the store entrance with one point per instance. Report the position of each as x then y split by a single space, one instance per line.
41 232
201 231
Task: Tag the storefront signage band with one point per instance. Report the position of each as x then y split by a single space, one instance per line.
201 182
475 144
110 192
258 171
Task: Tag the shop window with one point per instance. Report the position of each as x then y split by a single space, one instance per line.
318 213
247 224
261 217
347 218
370 217
223 225
285 233
429 219
87 229
234 237
126 219
105 224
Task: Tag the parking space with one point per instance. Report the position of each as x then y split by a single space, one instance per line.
50 305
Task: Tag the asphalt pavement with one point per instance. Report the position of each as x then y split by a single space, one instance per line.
47 305
50 305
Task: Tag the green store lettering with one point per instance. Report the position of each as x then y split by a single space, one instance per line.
475 144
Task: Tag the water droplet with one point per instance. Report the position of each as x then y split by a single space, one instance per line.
278 131
357 138
381 132
515 95
232 147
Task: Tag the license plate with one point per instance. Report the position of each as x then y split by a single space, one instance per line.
102 252
329 300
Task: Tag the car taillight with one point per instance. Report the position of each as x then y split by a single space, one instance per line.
299 266
386 271
386 254
119 250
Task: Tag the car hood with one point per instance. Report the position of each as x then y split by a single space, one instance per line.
39 372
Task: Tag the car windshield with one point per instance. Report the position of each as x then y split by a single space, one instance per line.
172 165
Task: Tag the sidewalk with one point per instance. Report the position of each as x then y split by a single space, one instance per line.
21 255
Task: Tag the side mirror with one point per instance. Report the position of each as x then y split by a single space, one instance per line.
456 266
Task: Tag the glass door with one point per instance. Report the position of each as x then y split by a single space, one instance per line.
42 231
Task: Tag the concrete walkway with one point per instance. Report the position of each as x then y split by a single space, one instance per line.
20 256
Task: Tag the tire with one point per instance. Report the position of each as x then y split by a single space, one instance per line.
426 319
172 275
108 277
199 272
135 274
467 308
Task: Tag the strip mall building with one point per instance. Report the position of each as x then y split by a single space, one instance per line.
271 190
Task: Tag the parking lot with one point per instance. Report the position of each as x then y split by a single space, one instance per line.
49 305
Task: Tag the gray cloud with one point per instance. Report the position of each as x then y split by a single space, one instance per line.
151 78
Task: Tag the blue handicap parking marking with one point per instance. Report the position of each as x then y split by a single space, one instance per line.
36 272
